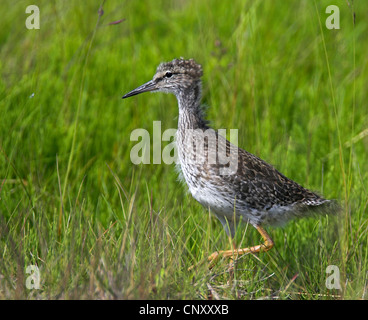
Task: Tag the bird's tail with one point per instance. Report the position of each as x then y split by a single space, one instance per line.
324 206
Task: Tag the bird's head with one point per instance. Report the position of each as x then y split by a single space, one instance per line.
175 77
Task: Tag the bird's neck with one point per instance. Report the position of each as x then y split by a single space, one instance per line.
190 112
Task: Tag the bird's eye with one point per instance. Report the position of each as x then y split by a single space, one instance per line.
168 74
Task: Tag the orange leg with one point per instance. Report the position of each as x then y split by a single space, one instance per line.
267 245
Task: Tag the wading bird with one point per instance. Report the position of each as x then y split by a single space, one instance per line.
254 191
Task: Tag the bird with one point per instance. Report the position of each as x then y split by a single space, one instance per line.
244 188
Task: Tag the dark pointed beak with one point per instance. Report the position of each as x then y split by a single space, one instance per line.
148 86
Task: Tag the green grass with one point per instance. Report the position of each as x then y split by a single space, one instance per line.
97 226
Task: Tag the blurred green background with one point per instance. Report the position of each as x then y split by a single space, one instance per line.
70 196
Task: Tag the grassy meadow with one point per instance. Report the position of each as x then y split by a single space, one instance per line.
99 227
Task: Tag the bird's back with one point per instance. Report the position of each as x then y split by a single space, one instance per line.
255 190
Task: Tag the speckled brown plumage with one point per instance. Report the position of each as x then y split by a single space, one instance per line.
255 191
177 66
